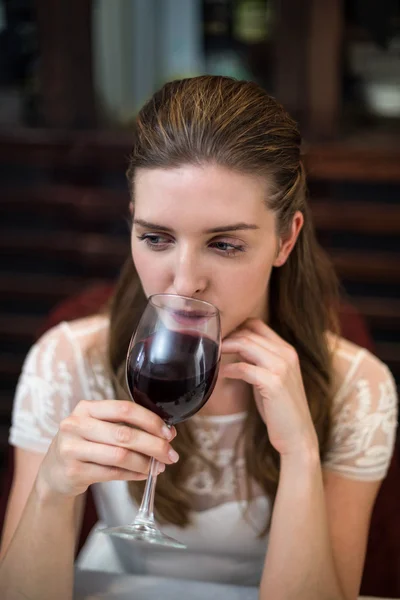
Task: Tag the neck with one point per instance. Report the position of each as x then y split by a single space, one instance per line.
230 396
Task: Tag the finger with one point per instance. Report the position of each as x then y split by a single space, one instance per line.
253 375
255 354
269 339
264 330
124 411
98 473
100 454
121 435
257 339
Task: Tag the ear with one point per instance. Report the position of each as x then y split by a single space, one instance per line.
286 245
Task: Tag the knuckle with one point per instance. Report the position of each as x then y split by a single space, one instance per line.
244 368
114 472
165 447
280 367
154 423
246 343
71 471
66 449
275 382
67 424
260 383
120 455
123 434
292 355
82 407
157 424
280 370
142 466
88 425
124 408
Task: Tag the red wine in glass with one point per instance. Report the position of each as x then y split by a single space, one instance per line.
171 369
161 378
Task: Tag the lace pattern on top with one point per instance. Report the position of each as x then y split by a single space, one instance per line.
219 439
364 419
68 365
56 375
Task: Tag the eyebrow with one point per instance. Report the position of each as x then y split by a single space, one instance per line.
219 229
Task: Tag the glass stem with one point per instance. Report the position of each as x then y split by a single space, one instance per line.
145 515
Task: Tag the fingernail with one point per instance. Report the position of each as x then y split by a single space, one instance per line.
167 432
161 468
174 456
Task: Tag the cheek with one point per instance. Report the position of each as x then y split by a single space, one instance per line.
244 290
246 286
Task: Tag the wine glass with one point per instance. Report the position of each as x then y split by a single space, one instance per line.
171 369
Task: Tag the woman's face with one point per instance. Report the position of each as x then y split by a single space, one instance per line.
205 232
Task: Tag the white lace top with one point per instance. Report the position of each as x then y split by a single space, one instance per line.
67 365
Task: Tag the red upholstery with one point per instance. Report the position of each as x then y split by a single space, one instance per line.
382 567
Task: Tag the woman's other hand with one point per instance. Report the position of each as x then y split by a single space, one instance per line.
272 367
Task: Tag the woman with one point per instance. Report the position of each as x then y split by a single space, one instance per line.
279 471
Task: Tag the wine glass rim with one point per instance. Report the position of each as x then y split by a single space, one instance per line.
214 309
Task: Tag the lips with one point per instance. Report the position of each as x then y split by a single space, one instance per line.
186 317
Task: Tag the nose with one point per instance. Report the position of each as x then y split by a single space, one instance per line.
188 279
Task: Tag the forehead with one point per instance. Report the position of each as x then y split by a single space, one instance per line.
199 194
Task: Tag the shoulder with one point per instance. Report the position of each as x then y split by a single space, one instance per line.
355 368
84 332
364 412
56 375
64 354
75 337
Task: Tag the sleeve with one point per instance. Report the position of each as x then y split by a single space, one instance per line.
52 382
364 422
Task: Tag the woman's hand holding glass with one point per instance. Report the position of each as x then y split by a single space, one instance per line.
103 441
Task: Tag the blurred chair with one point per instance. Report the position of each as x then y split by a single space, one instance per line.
382 566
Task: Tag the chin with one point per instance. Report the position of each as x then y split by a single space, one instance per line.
227 330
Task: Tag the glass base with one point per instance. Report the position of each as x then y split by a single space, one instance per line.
143 534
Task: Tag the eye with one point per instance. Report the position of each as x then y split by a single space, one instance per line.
154 241
227 248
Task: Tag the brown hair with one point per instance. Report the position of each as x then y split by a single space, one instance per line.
237 125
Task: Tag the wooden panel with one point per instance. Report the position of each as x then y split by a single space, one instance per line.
292 24
367 267
4 430
374 157
389 353
6 401
352 161
358 217
10 366
80 207
85 250
323 68
21 328
379 312
47 289
65 45
108 150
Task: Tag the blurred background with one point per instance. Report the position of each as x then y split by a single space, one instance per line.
73 73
